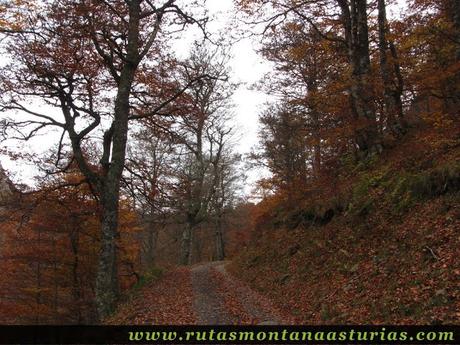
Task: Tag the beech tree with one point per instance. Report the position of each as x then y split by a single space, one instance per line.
283 147
97 63
228 181
356 32
308 83
344 22
429 43
202 131
393 84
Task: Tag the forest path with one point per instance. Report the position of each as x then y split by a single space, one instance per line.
203 294
219 298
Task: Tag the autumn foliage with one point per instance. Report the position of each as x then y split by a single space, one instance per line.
342 234
50 246
356 219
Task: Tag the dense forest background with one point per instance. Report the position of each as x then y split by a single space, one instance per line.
361 141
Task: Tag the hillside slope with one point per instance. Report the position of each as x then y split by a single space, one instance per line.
387 251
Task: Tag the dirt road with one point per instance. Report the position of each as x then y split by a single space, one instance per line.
221 299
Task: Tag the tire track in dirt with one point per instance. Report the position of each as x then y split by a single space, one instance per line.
221 299
208 304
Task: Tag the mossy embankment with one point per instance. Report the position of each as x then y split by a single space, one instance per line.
382 246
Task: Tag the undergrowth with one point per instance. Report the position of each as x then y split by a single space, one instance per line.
398 191
153 274
402 190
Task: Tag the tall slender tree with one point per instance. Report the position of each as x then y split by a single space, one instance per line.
392 85
356 31
202 131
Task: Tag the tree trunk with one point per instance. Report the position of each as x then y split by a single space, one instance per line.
399 87
150 244
392 95
456 21
312 87
56 282
76 287
219 239
354 19
107 286
186 245
38 295
317 138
